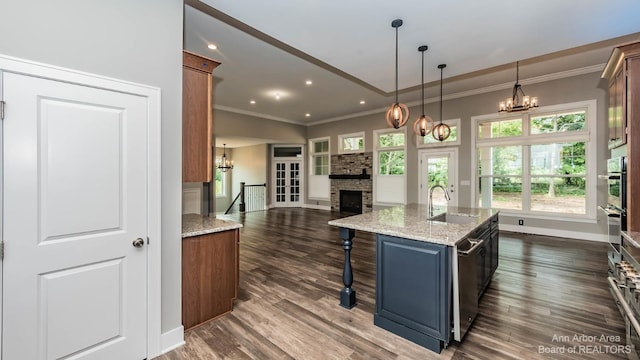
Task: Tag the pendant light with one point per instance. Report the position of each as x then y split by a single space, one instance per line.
441 131
398 113
513 103
224 164
422 126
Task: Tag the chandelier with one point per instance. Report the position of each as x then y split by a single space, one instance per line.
398 113
514 102
224 164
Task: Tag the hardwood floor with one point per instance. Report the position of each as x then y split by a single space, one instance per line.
548 294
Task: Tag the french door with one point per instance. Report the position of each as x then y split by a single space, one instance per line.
288 185
439 167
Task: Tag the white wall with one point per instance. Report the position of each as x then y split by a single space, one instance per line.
250 166
138 41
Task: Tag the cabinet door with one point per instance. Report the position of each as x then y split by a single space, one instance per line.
413 285
196 126
209 276
617 118
197 120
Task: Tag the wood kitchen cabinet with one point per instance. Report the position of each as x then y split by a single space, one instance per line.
197 119
623 73
616 119
210 274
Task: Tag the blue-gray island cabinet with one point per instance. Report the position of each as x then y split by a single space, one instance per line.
420 293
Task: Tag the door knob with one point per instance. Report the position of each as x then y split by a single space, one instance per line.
138 242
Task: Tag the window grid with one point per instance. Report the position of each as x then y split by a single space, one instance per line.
555 162
320 156
391 152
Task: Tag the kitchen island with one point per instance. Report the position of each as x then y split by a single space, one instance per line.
432 266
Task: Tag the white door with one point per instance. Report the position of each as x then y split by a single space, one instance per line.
74 201
439 167
287 189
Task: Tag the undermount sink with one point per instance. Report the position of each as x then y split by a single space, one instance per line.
454 218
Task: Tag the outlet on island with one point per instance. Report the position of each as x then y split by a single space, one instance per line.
520 222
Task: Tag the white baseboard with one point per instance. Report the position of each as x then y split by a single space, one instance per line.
319 207
554 232
172 339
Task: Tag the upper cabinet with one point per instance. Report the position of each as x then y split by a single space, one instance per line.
623 72
197 119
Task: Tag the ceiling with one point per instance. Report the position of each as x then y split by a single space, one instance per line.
347 50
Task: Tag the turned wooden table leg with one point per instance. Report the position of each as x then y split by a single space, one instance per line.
347 295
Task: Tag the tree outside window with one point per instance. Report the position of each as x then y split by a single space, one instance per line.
534 162
221 179
391 153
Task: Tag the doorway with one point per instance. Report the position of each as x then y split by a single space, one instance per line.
81 204
439 167
287 180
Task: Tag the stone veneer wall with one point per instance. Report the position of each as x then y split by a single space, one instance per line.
352 164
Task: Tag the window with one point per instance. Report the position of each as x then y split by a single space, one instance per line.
453 139
390 150
389 166
538 163
351 143
319 156
221 180
287 151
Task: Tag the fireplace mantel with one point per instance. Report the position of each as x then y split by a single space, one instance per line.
350 176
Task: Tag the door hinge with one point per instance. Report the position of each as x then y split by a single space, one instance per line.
1 109
1 250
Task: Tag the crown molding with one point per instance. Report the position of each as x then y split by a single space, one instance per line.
478 91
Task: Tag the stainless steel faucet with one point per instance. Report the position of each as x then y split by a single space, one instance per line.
446 196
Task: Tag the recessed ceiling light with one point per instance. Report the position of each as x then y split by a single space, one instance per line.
308 82
277 96
212 46
307 114
252 102
362 102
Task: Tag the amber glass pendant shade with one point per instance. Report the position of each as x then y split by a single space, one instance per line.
422 126
441 132
397 115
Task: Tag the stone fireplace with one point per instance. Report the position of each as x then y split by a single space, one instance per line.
352 172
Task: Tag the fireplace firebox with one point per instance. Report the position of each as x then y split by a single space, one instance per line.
350 202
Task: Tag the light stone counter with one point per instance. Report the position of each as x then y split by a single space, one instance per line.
196 224
412 222
633 237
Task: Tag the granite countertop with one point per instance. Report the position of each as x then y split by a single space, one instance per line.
411 222
196 224
632 236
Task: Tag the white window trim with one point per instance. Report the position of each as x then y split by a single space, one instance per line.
312 153
376 170
450 122
591 150
225 180
341 150
377 149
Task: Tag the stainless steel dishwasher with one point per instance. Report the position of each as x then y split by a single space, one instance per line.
468 251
